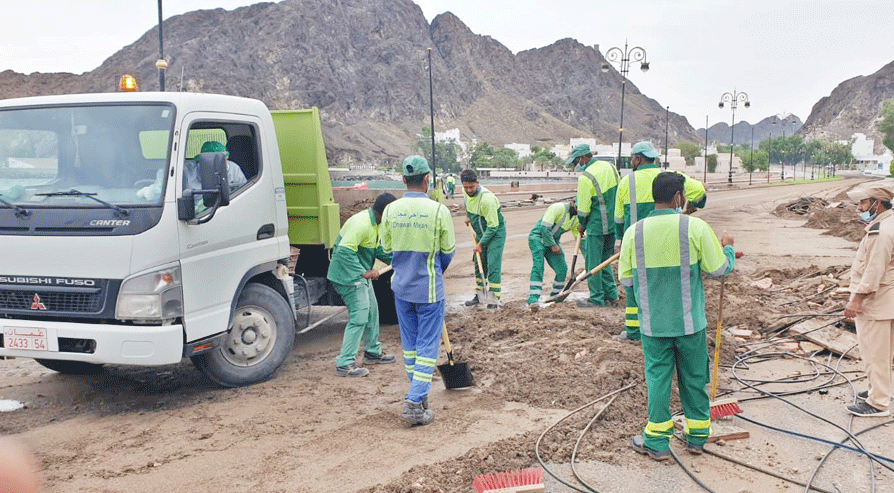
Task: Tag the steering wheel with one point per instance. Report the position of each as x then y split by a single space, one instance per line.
145 182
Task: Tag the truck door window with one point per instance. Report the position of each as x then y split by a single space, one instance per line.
239 140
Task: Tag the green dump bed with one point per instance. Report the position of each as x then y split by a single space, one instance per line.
313 212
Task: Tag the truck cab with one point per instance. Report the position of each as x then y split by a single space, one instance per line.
124 243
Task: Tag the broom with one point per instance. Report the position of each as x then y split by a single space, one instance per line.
723 407
522 481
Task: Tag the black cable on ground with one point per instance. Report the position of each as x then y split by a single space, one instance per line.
765 471
577 444
572 413
829 453
688 472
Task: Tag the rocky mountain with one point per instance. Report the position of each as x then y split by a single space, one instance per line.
770 126
363 63
853 106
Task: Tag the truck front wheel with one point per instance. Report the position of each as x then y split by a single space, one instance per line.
257 343
70 367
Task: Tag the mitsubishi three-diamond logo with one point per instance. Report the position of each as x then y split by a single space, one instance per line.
37 304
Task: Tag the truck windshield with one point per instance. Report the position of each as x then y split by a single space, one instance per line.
111 154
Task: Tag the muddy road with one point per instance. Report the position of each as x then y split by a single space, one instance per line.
307 430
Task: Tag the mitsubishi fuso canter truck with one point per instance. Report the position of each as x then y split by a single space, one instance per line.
143 228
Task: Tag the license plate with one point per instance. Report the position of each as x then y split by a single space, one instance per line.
25 338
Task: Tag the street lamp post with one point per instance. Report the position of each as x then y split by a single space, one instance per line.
666 126
706 150
161 64
623 58
751 157
733 98
431 107
769 148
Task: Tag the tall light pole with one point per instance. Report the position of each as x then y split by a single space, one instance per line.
431 107
623 58
733 98
751 157
769 148
666 126
705 180
784 118
161 64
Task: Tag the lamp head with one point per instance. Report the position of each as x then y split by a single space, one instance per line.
747 104
644 66
604 66
720 105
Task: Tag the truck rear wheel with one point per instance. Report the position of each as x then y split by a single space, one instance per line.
257 343
70 367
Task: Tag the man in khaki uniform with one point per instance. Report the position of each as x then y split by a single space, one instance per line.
872 297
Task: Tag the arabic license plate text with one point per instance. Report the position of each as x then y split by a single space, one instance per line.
25 338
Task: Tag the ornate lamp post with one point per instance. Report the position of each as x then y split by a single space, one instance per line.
623 58
751 157
733 98
666 127
785 120
705 180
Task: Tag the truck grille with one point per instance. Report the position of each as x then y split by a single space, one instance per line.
53 302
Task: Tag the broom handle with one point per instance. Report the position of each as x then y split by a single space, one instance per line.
447 346
385 270
717 339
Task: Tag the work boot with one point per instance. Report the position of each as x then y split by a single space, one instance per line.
415 414
639 444
624 337
351 371
586 304
865 410
425 402
863 395
474 301
695 449
378 359
533 299
493 306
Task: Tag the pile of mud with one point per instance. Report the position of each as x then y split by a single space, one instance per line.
348 210
838 218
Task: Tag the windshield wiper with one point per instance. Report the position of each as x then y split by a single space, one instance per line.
20 211
90 195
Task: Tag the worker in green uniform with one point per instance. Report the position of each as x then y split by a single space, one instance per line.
483 212
662 260
350 272
451 185
596 187
634 201
543 240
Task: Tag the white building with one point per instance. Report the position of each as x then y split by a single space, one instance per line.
865 157
523 150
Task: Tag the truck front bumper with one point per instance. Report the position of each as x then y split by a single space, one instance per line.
144 345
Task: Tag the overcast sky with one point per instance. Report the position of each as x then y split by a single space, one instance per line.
784 54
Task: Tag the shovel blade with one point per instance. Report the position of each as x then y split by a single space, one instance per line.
456 375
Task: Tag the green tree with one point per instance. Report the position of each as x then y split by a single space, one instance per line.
886 126
689 150
712 163
505 158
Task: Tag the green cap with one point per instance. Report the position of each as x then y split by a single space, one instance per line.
415 165
214 146
644 148
578 151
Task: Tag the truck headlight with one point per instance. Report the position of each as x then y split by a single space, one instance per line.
156 295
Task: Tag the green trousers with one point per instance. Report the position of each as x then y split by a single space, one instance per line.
597 248
539 253
492 262
363 324
688 357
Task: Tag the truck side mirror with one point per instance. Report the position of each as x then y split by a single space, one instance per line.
213 173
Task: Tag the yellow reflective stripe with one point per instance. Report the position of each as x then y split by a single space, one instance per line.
631 310
409 354
697 424
495 286
409 368
421 376
423 361
631 323
659 429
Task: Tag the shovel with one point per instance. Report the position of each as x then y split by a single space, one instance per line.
573 262
455 375
485 296
582 277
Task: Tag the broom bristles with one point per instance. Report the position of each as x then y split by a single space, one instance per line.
724 408
525 480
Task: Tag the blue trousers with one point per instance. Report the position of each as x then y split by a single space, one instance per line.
420 336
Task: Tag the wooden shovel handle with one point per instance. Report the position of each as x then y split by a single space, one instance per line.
478 255
447 346
385 270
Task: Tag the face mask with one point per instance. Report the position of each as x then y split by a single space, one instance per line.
867 216
678 209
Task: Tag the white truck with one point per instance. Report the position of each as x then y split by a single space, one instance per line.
122 243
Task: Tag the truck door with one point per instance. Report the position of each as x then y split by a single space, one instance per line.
215 256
